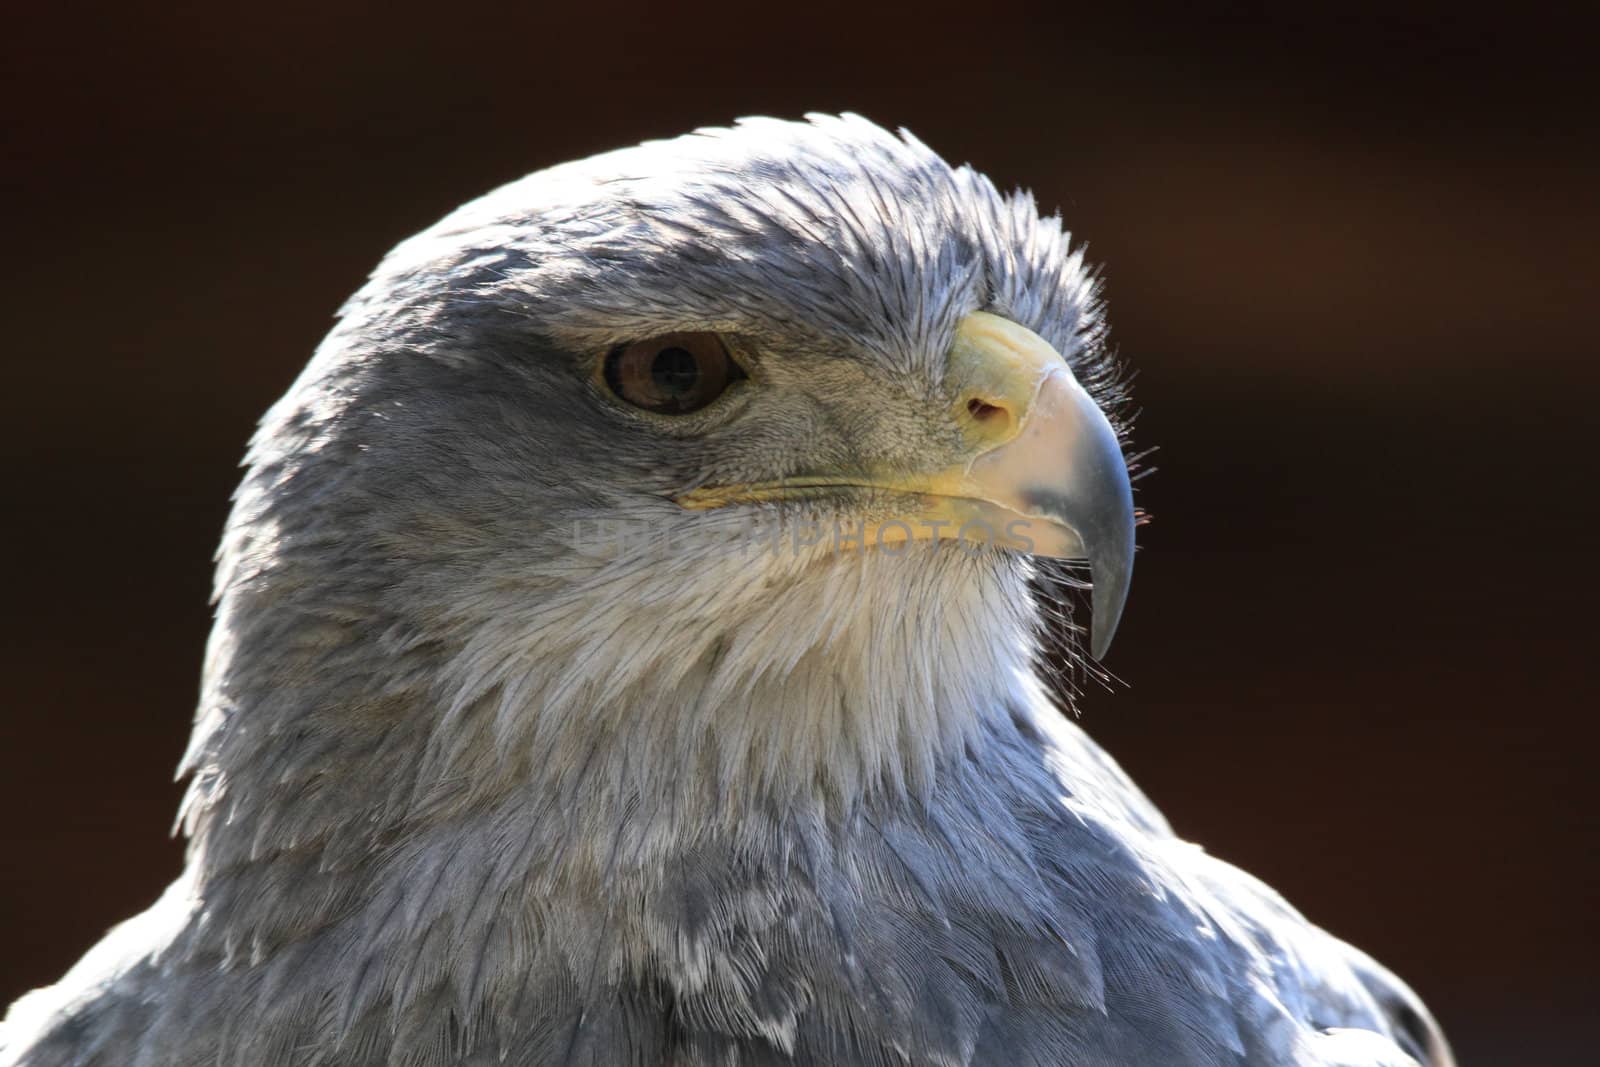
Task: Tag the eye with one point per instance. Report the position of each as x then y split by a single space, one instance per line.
673 374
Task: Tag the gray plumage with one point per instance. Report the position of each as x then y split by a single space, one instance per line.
462 792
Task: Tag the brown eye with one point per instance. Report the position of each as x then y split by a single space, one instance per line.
673 374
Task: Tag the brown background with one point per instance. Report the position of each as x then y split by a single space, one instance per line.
1351 256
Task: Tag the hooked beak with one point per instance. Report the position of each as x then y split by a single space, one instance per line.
1041 470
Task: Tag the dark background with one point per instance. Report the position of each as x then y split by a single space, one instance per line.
1350 255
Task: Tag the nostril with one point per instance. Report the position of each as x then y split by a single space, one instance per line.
982 410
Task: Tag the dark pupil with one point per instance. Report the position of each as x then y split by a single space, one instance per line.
674 371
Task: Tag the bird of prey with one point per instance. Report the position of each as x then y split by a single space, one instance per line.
627 652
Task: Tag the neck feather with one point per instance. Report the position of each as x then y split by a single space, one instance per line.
652 708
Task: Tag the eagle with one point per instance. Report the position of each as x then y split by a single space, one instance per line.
632 649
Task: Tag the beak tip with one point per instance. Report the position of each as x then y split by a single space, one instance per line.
1101 631
1111 578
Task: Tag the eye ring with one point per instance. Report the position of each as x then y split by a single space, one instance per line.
671 374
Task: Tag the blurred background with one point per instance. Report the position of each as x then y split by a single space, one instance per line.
1352 257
